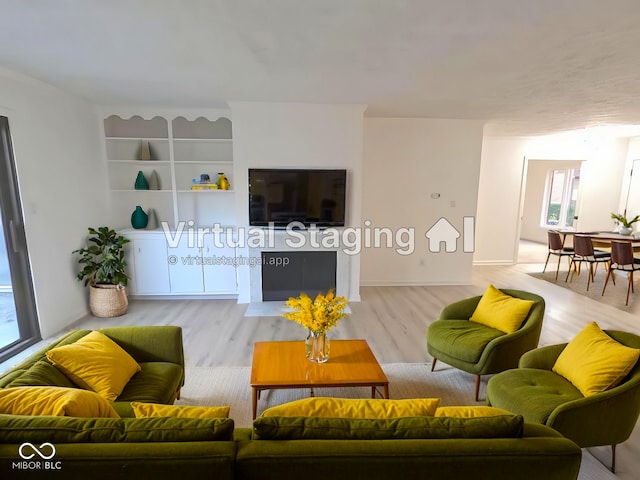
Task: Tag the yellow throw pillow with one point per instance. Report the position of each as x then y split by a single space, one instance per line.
143 410
501 311
57 401
97 363
355 408
594 362
470 411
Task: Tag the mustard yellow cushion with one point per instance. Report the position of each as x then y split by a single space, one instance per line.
501 311
97 363
142 410
470 411
355 408
57 401
594 362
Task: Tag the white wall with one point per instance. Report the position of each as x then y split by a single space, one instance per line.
297 135
62 180
501 175
406 161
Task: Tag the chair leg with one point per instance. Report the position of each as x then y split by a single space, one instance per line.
477 387
558 268
606 280
613 459
590 277
629 285
545 263
433 365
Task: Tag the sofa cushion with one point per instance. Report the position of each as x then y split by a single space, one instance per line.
157 382
95 362
144 410
470 411
594 362
531 392
41 373
461 339
354 408
18 429
501 311
307 428
57 401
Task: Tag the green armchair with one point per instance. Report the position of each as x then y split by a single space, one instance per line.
478 349
542 396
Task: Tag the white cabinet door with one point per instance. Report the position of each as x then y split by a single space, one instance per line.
219 269
185 267
150 265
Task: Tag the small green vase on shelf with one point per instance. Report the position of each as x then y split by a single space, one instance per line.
141 182
139 218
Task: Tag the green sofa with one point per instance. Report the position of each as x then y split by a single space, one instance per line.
36 447
157 349
170 448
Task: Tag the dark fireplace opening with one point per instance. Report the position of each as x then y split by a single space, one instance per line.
287 274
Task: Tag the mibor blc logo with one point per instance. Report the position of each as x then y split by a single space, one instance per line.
37 457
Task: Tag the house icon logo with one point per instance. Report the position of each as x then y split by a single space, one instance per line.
443 232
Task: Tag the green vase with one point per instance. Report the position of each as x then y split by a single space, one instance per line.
141 182
139 218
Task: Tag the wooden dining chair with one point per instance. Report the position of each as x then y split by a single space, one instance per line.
584 252
557 248
622 259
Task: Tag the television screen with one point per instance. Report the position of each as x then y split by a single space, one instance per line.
283 196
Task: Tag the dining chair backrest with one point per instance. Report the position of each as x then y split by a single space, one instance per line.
621 253
555 242
583 246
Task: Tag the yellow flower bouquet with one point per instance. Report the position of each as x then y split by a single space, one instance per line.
319 315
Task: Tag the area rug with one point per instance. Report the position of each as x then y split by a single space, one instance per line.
614 295
230 386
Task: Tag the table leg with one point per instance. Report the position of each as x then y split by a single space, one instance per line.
386 390
254 401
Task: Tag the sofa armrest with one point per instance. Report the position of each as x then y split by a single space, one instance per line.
150 343
542 358
461 310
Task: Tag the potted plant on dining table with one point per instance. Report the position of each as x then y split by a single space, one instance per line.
626 225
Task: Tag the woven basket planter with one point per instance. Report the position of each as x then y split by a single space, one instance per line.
108 300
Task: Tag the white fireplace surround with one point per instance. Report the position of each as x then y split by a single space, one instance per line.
280 244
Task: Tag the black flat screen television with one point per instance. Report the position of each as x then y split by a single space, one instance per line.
311 197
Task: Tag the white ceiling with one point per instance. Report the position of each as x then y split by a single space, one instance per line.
524 66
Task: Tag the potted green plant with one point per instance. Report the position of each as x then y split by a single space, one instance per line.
626 226
103 271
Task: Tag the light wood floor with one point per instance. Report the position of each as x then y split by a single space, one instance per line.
392 319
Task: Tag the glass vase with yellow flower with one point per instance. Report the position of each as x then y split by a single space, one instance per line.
318 316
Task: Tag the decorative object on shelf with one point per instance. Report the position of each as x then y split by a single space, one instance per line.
141 182
318 316
625 226
154 181
223 183
152 222
145 151
103 271
139 218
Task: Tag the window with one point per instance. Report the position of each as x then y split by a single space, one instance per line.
559 209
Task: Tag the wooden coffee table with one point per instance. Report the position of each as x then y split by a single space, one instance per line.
282 365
